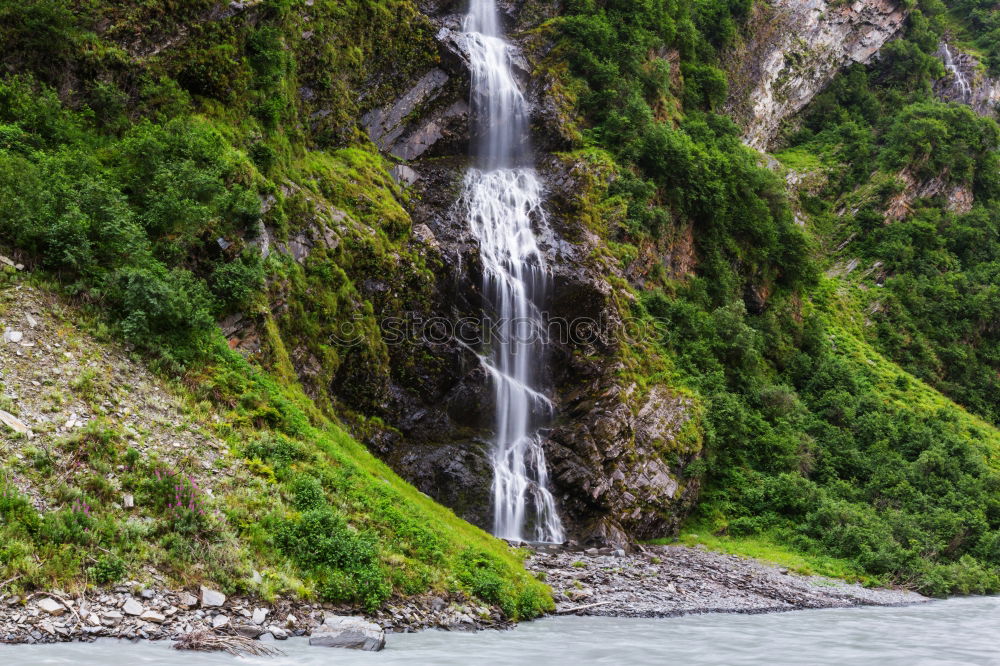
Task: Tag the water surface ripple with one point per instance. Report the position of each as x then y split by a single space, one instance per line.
957 631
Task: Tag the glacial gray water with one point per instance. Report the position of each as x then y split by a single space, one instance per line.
502 200
957 631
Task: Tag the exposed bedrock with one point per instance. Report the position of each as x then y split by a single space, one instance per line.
966 81
795 49
613 450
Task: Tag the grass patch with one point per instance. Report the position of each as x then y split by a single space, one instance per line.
765 548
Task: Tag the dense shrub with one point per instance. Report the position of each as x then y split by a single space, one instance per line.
319 540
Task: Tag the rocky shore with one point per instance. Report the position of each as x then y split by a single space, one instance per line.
132 612
658 581
665 581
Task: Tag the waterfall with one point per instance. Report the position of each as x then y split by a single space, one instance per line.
951 66
502 199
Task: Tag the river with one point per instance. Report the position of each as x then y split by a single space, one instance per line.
956 631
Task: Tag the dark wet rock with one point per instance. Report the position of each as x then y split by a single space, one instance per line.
615 461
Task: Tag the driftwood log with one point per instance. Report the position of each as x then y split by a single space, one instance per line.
205 640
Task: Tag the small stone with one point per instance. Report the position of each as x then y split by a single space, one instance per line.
52 607
291 620
267 637
93 620
187 600
259 615
128 501
153 616
132 607
111 618
31 321
11 335
12 422
219 621
256 579
210 598
248 630
278 633
7 260
147 593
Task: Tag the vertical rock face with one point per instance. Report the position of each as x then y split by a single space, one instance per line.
795 49
615 468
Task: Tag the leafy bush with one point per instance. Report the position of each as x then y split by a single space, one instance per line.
307 493
107 569
236 284
319 540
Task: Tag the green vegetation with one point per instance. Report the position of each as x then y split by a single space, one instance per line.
301 502
144 172
822 453
979 21
768 548
140 160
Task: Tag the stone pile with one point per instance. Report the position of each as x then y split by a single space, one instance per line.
664 581
131 611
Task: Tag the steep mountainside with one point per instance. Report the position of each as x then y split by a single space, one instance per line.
797 348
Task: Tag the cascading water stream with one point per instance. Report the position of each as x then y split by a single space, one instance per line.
502 198
951 66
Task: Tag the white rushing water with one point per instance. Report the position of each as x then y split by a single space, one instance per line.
963 83
502 200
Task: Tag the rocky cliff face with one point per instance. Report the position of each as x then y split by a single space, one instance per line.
794 49
619 448
966 81
614 449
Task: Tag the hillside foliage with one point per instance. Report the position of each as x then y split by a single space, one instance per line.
816 439
848 415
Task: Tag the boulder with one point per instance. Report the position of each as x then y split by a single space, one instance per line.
111 618
404 175
133 607
51 606
210 598
153 616
349 632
